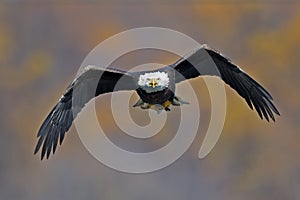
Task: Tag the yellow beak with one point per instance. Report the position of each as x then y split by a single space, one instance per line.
153 83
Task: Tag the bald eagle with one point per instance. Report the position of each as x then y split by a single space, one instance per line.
155 88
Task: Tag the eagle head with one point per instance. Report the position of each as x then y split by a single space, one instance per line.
153 81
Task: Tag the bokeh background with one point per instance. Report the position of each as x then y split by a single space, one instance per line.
42 44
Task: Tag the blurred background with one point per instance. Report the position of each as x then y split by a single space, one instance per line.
42 45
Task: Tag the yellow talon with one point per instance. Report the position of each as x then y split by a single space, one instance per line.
166 104
157 107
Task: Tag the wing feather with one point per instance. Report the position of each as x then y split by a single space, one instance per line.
205 60
91 82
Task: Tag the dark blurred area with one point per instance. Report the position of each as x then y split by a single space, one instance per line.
42 45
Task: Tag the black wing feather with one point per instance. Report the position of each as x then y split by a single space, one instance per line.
199 63
92 82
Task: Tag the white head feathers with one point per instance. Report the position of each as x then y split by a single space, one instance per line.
161 79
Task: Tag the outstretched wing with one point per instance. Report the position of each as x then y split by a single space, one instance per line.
203 62
92 82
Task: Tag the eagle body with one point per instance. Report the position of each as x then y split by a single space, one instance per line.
159 97
155 88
